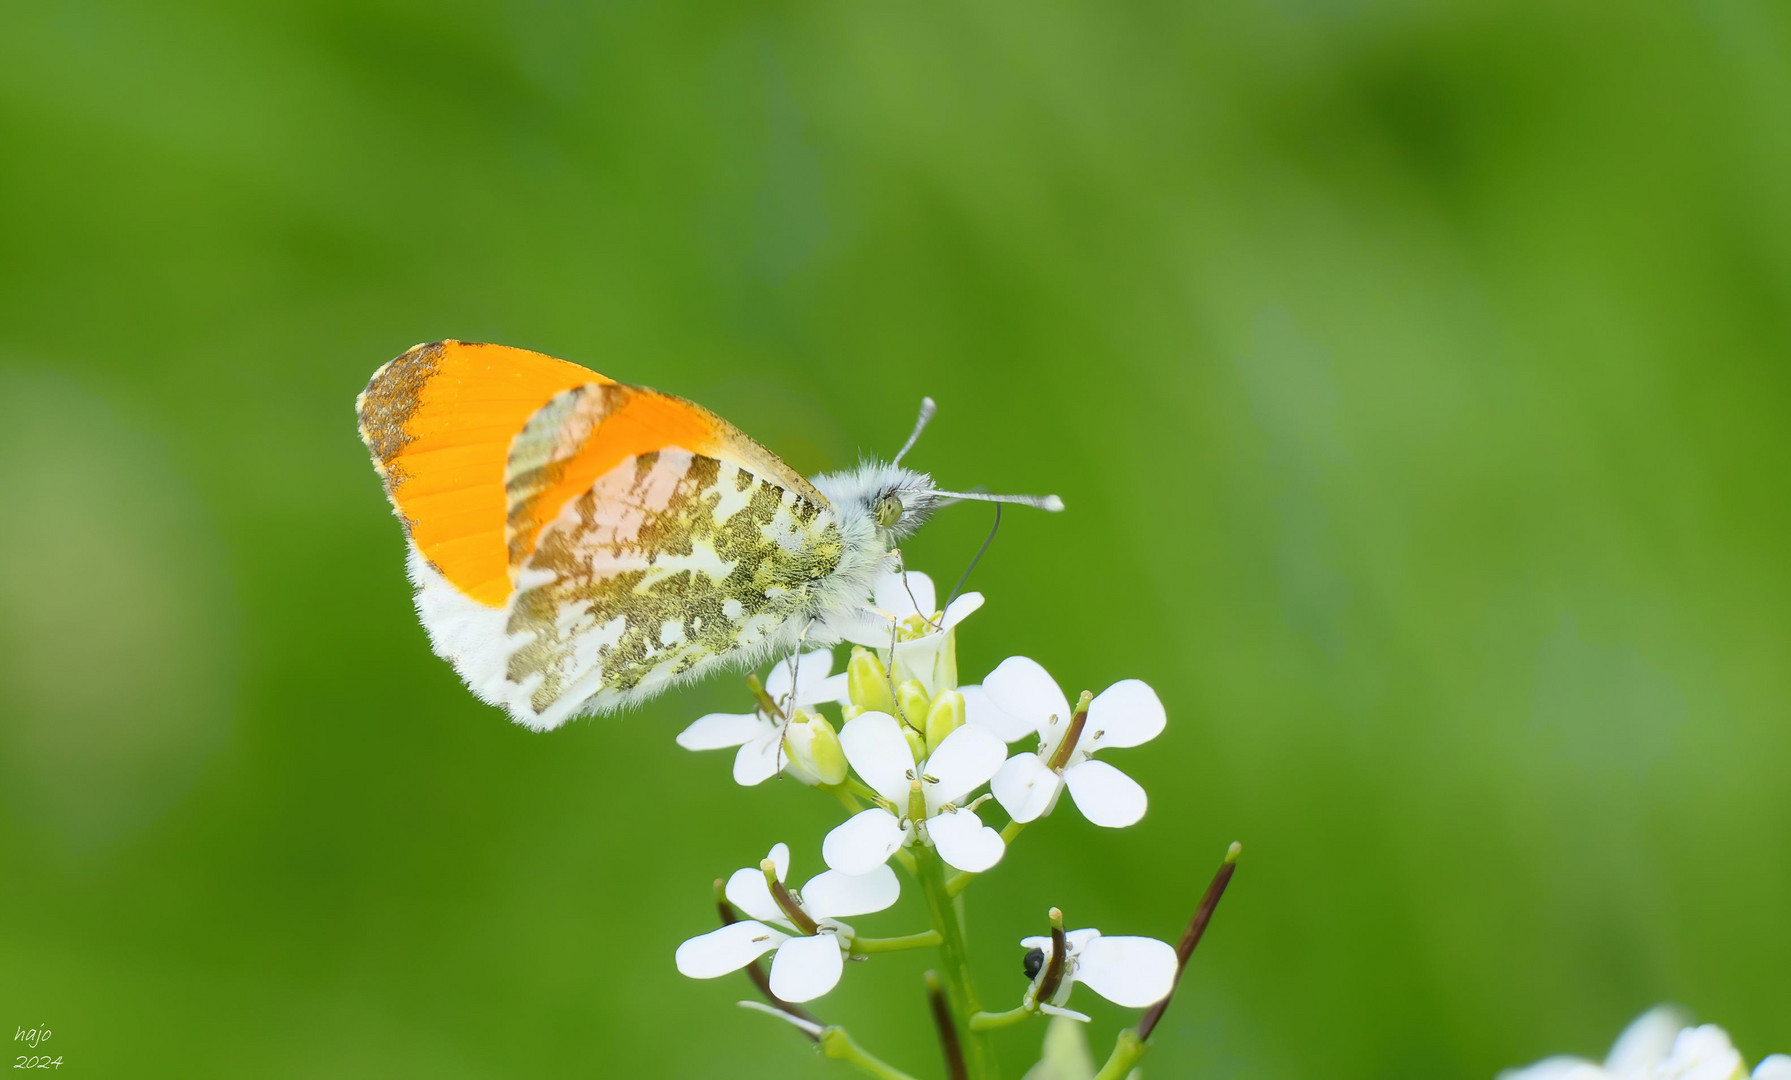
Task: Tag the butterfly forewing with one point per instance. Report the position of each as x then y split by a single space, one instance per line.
578 543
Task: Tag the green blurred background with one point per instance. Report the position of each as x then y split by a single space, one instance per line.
1416 377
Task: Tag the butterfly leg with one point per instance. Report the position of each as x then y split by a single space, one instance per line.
938 622
788 705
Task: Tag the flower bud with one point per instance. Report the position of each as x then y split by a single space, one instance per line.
912 697
867 683
917 744
814 748
946 716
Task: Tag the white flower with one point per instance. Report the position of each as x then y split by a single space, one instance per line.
925 645
884 759
811 944
981 711
760 737
1127 713
1132 971
1661 1045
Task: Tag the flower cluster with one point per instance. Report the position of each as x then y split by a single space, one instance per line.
917 760
1661 1045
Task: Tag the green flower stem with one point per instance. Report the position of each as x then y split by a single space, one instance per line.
836 1044
843 793
954 953
988 1021
1127 1049
965 877
922 940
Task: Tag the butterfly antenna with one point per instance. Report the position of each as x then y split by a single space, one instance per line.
978 557
927 408
1041 502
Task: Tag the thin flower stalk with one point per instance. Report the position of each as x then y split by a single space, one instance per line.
1132 1043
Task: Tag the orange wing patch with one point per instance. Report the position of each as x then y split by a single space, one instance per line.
439 421
481 446
578 437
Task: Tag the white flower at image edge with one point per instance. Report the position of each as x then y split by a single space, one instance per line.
910 598
1661 1045
1136 972
805 966
1128 713
759 737
879 752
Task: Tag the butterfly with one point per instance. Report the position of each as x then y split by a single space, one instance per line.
578 545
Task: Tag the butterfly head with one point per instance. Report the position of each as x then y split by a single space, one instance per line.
896 500
893 500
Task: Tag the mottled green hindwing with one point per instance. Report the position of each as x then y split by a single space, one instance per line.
670 561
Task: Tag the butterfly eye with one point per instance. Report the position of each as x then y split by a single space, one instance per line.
1035 959
888 512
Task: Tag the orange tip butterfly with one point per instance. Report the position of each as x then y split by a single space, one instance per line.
579 545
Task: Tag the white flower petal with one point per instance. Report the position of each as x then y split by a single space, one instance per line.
746 890
1037 942
965 842
834 690
1024 690
1105 795
1775 1067
780 857
729 949
1025 788
874 745
960 609
1703 1053
1127 713
833 894
814 677
863 841
812 669
806 967
861 627
915 596
964 762
1068 1014
1558 1068
1647 1041
719 730
981 711
760 759
1130 971
1077 940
